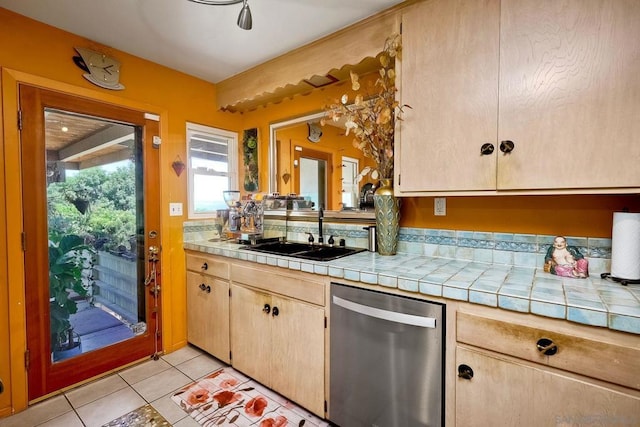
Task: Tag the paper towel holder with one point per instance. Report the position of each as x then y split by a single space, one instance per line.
623 282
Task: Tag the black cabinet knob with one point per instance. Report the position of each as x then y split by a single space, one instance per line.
507 146
546 347
202 286
275 312
205 266
486 149
465 372
208 289
266 308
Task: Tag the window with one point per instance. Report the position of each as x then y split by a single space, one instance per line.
212 168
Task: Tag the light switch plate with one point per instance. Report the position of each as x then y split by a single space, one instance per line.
440 206
175 209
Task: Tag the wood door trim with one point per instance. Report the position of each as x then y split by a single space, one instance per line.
37 333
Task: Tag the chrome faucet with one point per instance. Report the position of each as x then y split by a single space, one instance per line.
320 216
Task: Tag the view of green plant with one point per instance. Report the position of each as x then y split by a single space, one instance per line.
70 261
110 215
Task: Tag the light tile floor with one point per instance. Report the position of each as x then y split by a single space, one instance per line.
103 400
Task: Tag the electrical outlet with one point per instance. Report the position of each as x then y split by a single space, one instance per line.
175 209
440 206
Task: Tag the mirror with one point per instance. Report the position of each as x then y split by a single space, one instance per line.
318 163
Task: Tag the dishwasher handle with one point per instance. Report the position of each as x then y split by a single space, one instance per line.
391 316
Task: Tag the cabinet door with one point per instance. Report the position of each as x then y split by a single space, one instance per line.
497 395
251 341
502 392
298 353
569 94
449 76
208 314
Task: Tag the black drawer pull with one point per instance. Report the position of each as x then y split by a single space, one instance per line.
202 286
266 308
546 347
275 311
205 266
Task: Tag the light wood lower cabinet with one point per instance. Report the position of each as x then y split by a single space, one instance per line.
267 323
279 341
514 374
208 305
507 393
208 314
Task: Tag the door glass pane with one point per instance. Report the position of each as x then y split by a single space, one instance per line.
96 232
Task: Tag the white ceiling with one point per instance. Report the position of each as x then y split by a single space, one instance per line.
200 40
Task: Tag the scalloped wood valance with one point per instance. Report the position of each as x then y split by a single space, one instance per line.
293 73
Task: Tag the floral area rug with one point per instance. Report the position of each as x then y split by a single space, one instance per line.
145 416
228 398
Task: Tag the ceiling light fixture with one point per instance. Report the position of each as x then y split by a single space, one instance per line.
244 19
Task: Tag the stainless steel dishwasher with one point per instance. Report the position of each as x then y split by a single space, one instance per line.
386 359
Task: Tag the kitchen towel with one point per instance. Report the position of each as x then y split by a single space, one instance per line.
625 246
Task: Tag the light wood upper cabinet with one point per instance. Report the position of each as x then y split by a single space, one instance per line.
570 94
557 78
450 79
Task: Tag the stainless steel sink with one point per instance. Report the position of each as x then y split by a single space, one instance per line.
304 251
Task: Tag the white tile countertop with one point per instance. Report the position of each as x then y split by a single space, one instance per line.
592 301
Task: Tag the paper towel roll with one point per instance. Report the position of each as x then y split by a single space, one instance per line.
625 246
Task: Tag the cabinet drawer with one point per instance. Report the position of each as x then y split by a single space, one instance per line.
615 363
208 266
288 285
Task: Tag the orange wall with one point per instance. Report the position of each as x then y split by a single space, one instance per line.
579 216
39 54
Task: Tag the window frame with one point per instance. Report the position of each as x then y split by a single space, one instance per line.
232 159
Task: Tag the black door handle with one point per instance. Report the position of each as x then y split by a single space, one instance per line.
202 286
486 149
465 372
266 308
507 146
275 311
